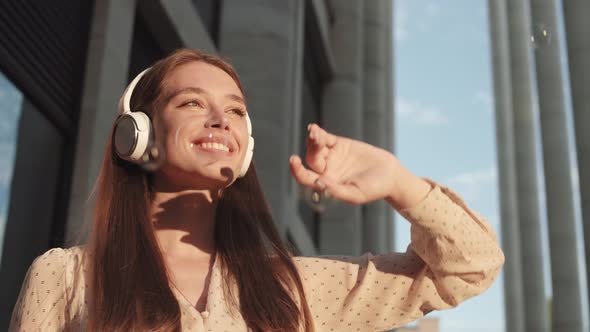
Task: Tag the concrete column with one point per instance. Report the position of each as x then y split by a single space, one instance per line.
565 270
375 115
577 28
262 40
106 76
389 107
340 228
513 282
536 313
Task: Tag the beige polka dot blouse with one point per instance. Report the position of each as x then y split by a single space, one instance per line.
453 255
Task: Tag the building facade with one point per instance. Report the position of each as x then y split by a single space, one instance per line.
64 65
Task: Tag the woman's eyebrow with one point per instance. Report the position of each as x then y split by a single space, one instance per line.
177 92
198 90
235 98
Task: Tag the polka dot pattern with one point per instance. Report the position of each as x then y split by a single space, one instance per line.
454 255
42 301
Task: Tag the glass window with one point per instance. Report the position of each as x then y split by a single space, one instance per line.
10 111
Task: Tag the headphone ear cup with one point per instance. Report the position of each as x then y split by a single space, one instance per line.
132 135
248 157
249 150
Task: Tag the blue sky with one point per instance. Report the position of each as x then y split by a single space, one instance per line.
444 125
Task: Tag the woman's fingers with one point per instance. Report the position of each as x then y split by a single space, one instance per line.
320 136
303 175
347 192
316 158
319 143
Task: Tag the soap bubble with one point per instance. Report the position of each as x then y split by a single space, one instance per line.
153 158
541 36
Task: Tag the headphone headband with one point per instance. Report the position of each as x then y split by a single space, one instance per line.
124 102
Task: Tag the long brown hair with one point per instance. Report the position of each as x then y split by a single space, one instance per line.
123 247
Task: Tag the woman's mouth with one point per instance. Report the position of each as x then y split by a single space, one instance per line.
214 146
214 143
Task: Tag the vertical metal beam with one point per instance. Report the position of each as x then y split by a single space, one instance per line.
577 26
565 270
523 103
513 287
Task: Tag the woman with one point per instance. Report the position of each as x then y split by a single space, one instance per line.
191 245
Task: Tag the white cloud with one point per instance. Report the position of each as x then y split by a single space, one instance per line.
472 184
420 113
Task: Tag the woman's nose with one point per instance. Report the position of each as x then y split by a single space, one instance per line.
218 120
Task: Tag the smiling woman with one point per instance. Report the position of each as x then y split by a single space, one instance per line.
191 245
191 100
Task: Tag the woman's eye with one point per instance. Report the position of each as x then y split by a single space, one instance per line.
238 111
193 103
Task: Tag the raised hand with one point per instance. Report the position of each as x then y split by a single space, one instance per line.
354 171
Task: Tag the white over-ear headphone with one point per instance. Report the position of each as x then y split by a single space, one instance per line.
133 131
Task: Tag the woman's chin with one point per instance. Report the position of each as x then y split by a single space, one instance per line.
207 178
219 177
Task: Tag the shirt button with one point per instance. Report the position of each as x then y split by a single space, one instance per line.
205 314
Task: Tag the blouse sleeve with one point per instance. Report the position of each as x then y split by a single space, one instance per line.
453 256
41 304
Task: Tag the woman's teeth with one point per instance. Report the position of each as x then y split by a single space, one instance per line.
216 146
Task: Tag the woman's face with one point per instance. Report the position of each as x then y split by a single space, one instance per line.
202 127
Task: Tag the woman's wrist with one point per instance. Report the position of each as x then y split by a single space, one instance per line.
409 189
